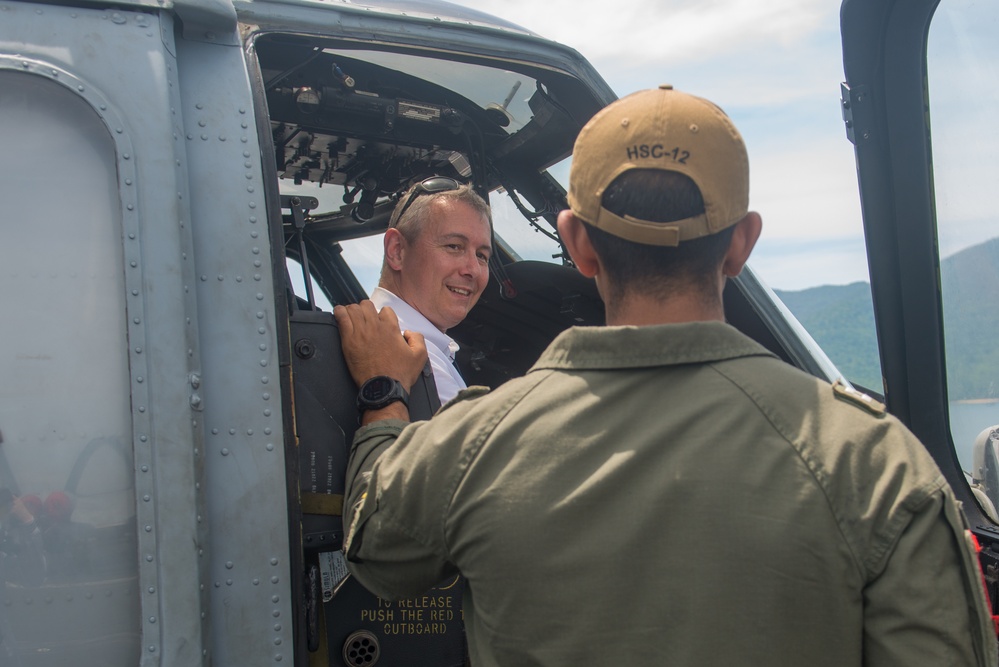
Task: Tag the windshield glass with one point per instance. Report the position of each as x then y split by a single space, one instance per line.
962 57
364 254
502 93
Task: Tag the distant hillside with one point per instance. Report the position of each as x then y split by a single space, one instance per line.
841 320
970 282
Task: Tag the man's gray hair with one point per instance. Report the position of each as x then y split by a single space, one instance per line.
421 210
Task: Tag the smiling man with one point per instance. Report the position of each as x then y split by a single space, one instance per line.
436 265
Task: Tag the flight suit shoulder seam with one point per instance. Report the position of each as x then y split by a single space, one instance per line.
816 473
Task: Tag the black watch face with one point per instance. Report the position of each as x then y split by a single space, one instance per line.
378 388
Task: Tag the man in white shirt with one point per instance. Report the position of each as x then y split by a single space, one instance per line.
436 264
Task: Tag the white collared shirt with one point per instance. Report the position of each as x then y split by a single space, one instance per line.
441 348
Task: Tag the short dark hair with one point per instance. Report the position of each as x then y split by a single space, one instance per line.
657 196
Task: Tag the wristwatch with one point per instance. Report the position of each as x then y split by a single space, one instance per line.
380 391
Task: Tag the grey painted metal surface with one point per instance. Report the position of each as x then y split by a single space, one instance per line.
435 10
136 110
244 455
452 29
203 556
218 17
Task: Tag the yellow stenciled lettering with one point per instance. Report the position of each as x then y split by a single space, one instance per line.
379 615
424 602
441 615
414 629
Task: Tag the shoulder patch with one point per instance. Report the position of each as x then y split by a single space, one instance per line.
466 394
848 393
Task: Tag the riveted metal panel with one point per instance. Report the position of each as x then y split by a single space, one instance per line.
120 63
208 20
251 602
447 31
428 10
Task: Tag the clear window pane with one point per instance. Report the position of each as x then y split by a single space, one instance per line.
526 241
68 563
962 68
297 277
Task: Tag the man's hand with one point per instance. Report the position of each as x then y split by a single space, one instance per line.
372 344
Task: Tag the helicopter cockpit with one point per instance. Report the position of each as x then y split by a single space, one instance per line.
353 129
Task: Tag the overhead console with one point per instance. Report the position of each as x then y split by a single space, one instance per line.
374 122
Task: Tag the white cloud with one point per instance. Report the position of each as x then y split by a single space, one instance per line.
661 32
807 192
775 67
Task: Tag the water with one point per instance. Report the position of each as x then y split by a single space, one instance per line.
967 420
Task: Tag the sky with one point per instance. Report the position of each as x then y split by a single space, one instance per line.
775 67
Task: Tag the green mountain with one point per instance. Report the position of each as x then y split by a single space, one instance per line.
841 320
970 281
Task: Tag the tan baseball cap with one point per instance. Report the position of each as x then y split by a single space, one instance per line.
669 130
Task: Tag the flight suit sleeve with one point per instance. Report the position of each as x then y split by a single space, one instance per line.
395 500
928 605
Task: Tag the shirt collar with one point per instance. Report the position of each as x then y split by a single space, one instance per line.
412 319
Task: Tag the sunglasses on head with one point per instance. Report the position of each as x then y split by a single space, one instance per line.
429 186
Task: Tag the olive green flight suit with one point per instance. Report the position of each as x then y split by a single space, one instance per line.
671 495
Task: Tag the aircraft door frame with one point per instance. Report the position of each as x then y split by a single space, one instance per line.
886 109
884 99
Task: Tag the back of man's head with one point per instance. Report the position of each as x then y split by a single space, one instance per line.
659 177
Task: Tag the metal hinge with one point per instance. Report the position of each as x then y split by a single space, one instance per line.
856 107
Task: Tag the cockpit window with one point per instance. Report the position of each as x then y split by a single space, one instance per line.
502 94
962 56
353 128
68 530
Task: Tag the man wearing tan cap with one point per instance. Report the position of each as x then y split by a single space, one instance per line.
662 490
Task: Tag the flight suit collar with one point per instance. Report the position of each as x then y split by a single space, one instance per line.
583 348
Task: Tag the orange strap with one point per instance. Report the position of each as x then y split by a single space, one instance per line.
985 584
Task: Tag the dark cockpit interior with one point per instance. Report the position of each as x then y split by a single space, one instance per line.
354 129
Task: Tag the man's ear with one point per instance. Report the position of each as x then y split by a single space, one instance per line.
573 234
394 245
744 237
